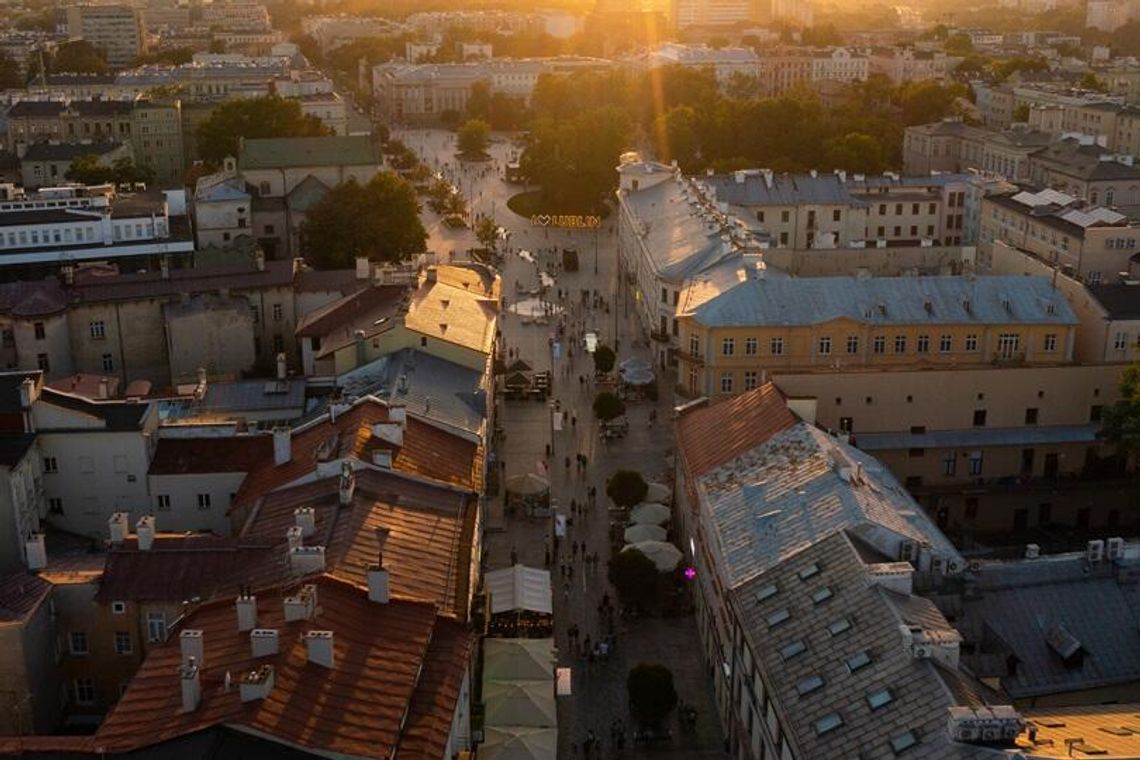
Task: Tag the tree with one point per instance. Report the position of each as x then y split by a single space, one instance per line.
379 221
473 138
1090 81
676 136
604 359
652 695
487 233
855 152
959 44
635 579
1020 112
88 170
626 488
271 116
10 77
608 406
1121 421
78 57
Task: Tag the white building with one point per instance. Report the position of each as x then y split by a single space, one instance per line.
724 62
840 65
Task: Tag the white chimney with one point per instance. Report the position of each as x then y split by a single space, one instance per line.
398 413
294 535
389 432
263 642
29 393
319 645
119 527
378 583
246 606
282 445
303 606
306 519
281 368
104 388
191 686
347 486
363 268
35 551
145 529
193 646
304 560
256 684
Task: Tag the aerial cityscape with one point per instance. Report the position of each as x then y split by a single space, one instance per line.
648 379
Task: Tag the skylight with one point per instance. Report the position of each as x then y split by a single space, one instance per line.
777 617
857 661
839 626
808 685
792 648
880 698
830 722
767 592
810 571
822 595
902 742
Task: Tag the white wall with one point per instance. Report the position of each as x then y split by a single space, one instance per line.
183 513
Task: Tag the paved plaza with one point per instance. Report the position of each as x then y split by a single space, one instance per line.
599 687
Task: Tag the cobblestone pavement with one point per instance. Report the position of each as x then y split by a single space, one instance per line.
599 688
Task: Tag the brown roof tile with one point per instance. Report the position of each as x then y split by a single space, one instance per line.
181 456
710 436
429 721
355 708
427 533
20 595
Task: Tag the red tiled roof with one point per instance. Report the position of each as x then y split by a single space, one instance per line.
181 456
18 745
92 285
427 451
429 721
355 708
710 436
428 533
21 593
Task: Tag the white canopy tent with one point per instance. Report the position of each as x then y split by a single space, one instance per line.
518 659
664 556
520 588
650 514
520 703
643 532
659 492
519 743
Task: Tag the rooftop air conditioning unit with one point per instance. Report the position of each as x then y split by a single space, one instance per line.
1095 551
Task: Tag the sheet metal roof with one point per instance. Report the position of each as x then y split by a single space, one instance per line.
286 152
1021 436
933 301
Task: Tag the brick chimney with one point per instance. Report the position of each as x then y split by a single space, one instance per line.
246 606
319 645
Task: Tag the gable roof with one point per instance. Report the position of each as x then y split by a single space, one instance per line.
21 594
355 708
709 437
459 306
116 415
293 152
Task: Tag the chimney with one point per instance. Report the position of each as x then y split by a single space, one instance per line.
303 606
432 274
104 388
398 413
378 581
307 559
193 646
363 268
263 642
282 445
256 684
35 551
259 260
347 485
246 606
145 531
282 370
29 393
306 520
294 535
389 432
119 527
191 686
319 645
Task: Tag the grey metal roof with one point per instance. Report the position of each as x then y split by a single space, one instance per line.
1021 436
1019 602
920 692
427 385
754 189
933 301
1122 302
255 395
797 487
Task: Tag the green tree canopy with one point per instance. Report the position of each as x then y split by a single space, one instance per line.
1121 421
855 152
487 233
652 695
270 116
379 221
626 488
608 406
79 57
959 44
635 579
10 76
473 137
604 358
88 170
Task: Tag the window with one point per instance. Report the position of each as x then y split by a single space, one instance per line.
694 346
975 463
839 626
263 189
51 465
98 330
123 643
118 608
1050 342
808 685
916 453
902 742
269 230
38 328
664 295
979 418
777 346
203 501
852 344
750 380
1120 341
809 572
279 343
779 616
825 345
760 216
945 343
43 363
77 642
750 347
880 698
278 312
728 346
1031 416
971 342
156 626
971 507
163 501
84 691
879 344
836 215
792 648
858 661
767 592
900 344
785 216
822 595
108 363
923 344
8 338
1007 344
726 382
55 505
828 723
949 463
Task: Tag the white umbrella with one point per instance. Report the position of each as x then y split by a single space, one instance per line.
528 484
659 493
519 743
635 364
665 557
647 512
643 532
